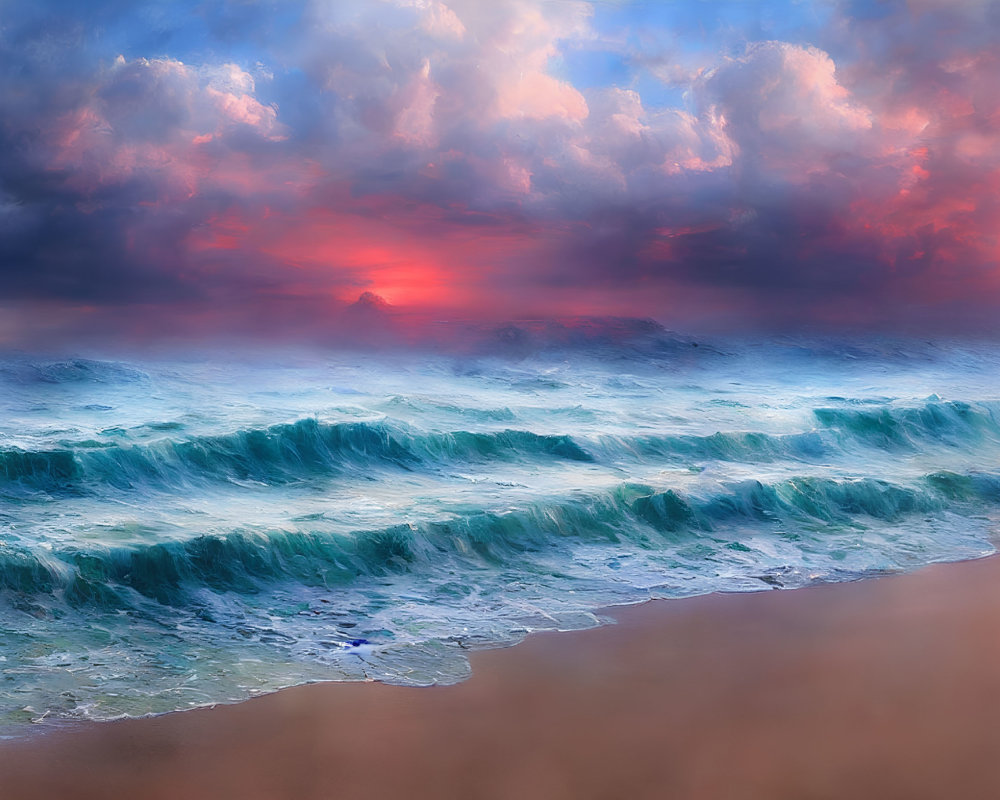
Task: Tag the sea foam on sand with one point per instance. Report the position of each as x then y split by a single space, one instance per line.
888 688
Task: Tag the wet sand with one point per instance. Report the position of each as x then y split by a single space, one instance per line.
887 688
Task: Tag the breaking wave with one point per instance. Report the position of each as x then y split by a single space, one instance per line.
188 532
172 573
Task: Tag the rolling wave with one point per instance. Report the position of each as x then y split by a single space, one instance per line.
308 448
192 531
953 423
244 562
71 371
276 455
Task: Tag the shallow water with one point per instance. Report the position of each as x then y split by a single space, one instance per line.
176 532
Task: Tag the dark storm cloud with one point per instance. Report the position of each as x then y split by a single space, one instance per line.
89 162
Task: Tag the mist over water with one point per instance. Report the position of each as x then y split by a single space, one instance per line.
176 532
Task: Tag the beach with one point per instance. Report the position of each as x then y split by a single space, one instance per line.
882 688
520 399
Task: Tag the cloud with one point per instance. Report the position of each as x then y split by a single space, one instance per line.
434 152
782 105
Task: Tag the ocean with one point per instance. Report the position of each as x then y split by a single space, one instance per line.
178 531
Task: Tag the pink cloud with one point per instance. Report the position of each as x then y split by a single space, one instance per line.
784 104
430 152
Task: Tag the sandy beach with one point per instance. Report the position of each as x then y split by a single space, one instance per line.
888 688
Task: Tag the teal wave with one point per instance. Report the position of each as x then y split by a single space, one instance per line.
279 454
952 423
308 448
171 573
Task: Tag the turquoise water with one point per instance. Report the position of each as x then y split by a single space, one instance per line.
180 532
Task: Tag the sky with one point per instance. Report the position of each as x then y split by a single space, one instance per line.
196 168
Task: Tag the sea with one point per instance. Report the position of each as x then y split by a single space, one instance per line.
184 529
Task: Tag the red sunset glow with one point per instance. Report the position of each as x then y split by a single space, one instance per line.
454 161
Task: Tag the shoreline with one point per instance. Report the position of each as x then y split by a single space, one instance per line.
888 687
